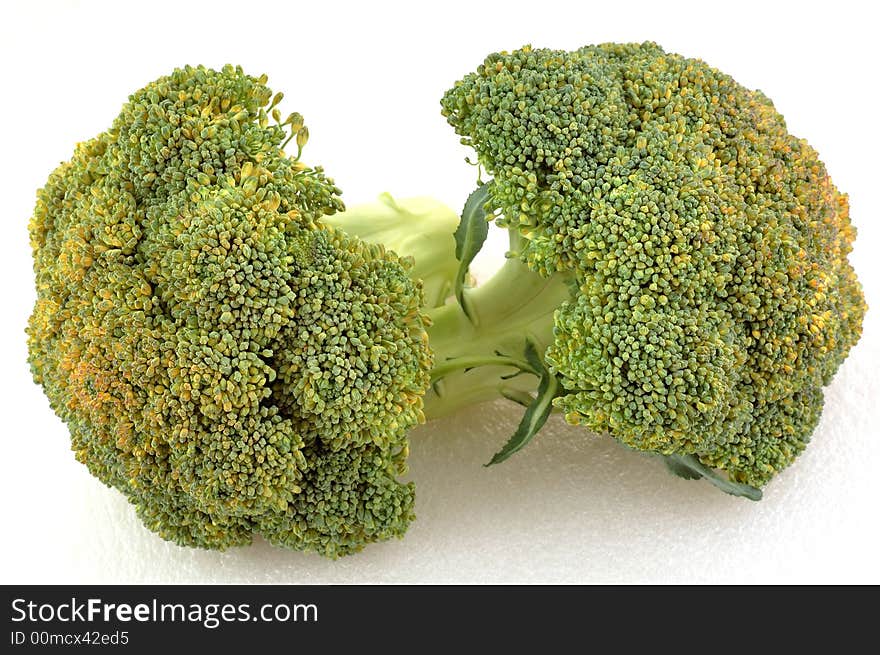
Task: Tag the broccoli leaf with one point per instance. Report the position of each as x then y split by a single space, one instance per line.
469 238
536 413
691 468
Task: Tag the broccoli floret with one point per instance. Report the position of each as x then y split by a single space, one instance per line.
678 275
222 358
708 246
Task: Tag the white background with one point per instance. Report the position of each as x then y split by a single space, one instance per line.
572 507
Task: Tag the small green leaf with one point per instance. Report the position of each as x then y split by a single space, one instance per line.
469 238
536 413
534 359
691 468
680 469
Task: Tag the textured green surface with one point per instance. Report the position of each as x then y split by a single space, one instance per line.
220 358
710 247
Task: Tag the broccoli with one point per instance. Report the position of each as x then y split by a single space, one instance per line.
239 354
678 274
222 358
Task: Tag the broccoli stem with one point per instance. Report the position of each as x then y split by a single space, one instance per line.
479 355
419 228
482 358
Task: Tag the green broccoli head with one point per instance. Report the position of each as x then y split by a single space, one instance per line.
223 359
708 246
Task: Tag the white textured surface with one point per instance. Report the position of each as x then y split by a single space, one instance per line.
570 507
